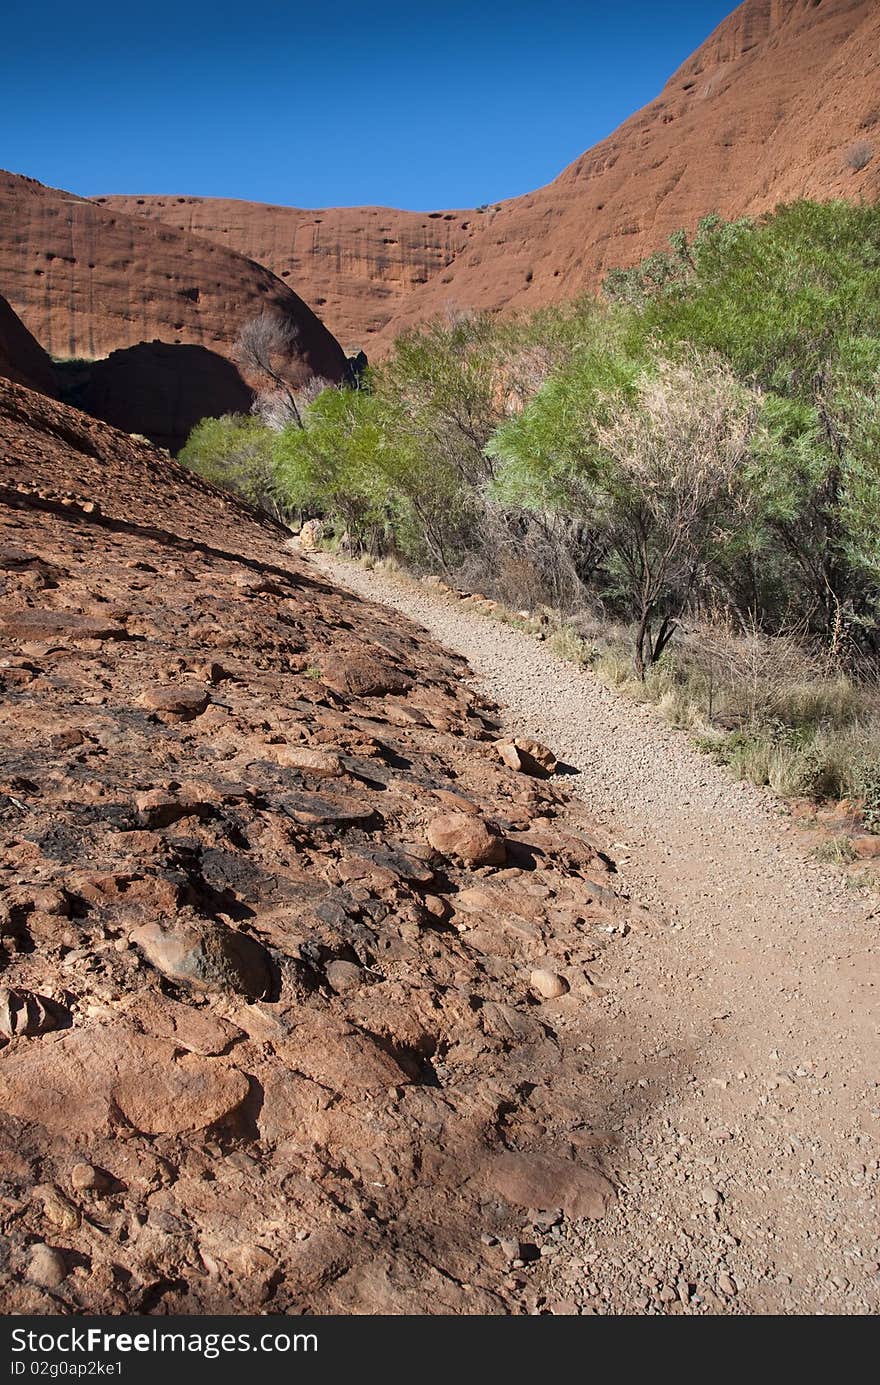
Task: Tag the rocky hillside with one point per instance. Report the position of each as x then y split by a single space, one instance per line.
780 102
88 282
296 957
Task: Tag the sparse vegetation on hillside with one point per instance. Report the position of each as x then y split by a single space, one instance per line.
860 155
698 449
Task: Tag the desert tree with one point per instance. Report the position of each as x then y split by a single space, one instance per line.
443 377
670 488
280 409
263 346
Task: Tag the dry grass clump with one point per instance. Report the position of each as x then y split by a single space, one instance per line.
859 155
765 706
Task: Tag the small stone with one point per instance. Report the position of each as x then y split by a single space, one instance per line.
321 764
545 1181
710 1196
58 1209
344 976
548 984
254 1264
48 900
46 1266
160 808
467 837
563 1307
528 757
182 702
24 1014
86 1178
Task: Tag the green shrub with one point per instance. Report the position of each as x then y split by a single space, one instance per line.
693 459
237 452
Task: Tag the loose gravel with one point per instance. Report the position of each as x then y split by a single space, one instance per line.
736 1036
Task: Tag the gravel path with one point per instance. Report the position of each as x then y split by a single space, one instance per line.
736 1046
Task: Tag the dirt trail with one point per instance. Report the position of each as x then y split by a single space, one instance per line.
736 1039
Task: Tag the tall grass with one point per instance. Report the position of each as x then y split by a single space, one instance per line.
777 715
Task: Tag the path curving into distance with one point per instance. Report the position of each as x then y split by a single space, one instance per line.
737 1034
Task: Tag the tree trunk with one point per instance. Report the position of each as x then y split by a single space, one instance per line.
643 642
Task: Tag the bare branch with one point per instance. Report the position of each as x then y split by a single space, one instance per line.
278 409
264 345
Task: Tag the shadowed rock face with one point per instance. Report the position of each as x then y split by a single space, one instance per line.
271 912
87 281
162 391
22 359
766 110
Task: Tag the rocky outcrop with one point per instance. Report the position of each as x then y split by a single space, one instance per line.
297 970
22 358
356 266
87 281
780 102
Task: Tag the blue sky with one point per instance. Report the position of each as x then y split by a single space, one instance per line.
329 103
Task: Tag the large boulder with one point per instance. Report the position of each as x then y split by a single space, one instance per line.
83 1082
207 957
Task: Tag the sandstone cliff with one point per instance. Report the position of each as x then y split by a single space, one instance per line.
781 101
163 306
87 281
356 266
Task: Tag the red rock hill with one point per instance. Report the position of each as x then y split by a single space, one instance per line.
781 101
355 265
87 280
